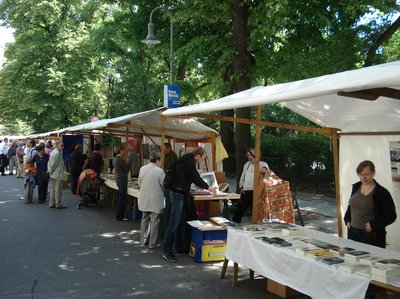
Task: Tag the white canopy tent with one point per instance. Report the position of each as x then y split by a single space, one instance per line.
142 123
363 102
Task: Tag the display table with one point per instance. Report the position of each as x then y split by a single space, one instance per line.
224 198
132 192
300 273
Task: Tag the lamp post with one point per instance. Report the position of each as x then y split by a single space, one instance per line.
151 39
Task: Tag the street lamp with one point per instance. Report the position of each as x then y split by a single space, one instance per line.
151 39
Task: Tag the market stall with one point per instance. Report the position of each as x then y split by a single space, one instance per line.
361 107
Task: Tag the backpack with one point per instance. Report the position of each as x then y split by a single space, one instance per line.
170 175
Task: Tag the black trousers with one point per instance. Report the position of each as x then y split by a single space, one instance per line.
42 180
3 163
246 201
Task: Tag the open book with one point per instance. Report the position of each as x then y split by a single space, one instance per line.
211 180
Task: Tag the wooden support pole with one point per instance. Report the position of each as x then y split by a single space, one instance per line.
126 140
163 123
335 142
257 147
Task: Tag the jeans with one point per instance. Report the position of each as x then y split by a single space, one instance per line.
164 217
177 200
121 204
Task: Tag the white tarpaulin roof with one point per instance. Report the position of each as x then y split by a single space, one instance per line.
148 122
317 99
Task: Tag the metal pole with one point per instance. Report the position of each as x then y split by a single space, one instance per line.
171 43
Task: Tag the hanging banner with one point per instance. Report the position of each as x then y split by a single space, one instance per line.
172 95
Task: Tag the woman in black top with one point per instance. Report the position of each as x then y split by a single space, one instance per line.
371 208
121 177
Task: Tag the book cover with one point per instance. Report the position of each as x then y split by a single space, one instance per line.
343 250
332 260
319 254
356 254
388 262
275 241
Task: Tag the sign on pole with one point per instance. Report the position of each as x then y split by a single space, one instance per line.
172 95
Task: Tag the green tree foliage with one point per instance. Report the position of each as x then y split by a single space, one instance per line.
73 59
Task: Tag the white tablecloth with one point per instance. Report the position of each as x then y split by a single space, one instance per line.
303 274
131 191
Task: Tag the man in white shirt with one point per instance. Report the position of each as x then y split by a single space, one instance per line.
3 155
246 185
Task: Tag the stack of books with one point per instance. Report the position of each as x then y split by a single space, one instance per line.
225 223
356 255
386 271
351 266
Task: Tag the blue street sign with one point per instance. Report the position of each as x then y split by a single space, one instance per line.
172 94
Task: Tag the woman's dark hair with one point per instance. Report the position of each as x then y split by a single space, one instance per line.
365 164
33 142
40 147
97 147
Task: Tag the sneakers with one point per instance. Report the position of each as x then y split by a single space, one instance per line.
61 207
154 246
169 257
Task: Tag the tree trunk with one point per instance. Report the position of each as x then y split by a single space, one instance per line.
241 62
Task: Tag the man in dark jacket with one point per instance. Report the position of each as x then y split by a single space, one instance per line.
76 161
186 174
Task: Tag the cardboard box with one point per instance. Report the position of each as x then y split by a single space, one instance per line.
281 290
201 237
213 253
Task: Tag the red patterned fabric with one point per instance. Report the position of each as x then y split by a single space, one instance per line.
275 202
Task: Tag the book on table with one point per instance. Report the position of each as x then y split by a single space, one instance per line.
204 225
388 262
319 254
356 254
278 227
292 231
275 241
333 260
343 250
370 260
364 272
305 249
393 280
222 221
385 270
352 266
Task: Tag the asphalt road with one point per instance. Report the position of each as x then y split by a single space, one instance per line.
71 253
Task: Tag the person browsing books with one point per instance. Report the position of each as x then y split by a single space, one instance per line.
246 185
370 210
186 174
